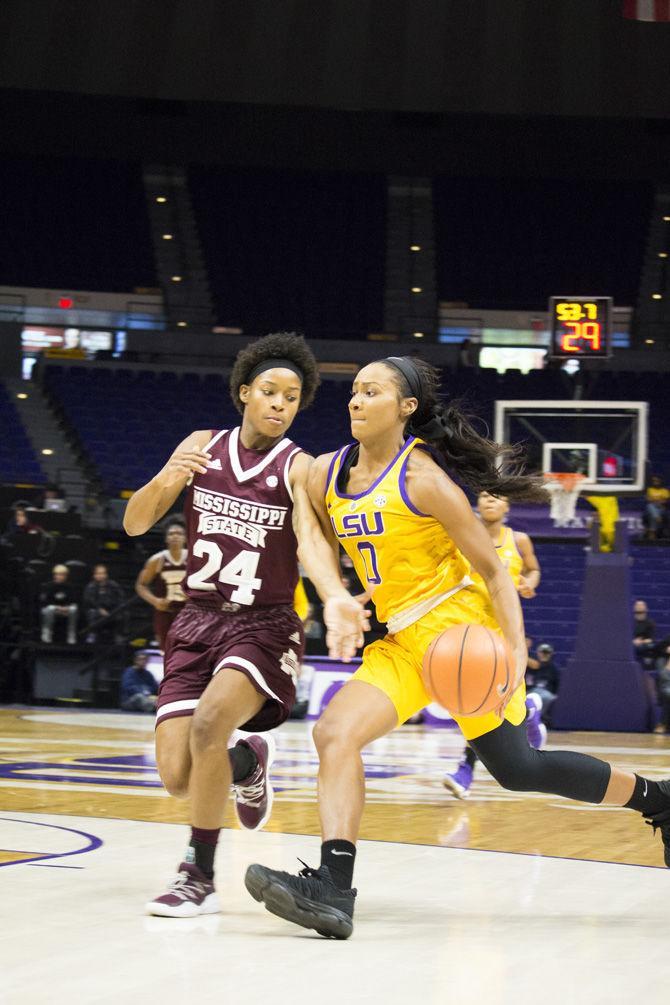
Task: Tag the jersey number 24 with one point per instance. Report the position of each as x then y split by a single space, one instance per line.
240 572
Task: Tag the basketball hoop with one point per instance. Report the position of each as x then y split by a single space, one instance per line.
564 488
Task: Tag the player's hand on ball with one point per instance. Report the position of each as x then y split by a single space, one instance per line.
346 621
183 464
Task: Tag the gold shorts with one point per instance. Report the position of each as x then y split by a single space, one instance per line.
393 664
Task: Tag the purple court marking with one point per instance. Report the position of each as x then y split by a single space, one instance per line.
93 842
46 865
111 771
72 771
134 761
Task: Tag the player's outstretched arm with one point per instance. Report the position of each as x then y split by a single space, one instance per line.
154 499
344 617
434 493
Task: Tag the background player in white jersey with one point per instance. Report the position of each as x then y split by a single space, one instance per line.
515 551
232 654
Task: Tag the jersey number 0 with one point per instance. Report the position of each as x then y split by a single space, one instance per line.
240 572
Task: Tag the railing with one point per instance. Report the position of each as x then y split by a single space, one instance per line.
12 306
153 308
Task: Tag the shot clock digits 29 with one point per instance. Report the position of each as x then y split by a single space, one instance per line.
580 327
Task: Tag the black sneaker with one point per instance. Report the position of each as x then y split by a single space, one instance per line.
310 899
661 821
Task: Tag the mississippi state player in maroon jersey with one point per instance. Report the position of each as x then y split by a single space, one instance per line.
233 652
161 579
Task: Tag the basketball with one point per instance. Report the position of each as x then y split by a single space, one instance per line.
467 669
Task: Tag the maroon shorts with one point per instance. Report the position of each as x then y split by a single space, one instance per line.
163 623
265 644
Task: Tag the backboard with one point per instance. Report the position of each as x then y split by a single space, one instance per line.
606 441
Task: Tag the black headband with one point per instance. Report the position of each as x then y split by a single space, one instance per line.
271 364
436 426
406 367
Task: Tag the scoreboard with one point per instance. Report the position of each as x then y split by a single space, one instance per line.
580 327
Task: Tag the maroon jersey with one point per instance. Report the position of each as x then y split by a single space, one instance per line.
241 543
168 581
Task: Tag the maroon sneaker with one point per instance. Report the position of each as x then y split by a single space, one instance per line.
254 795
190 894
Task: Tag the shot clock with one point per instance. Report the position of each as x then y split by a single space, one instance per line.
580 327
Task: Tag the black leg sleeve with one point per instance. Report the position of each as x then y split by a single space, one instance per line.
506 753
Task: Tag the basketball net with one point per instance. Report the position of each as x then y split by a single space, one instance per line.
564 488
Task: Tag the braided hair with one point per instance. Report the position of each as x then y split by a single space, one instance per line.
484 466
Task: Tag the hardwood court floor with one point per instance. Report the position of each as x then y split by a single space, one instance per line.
87 835
102 765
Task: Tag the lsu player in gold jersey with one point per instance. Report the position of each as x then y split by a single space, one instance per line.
515 551
413 538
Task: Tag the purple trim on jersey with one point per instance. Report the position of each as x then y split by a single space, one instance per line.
338 453
347 495
403 490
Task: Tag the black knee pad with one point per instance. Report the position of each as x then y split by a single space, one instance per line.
514 764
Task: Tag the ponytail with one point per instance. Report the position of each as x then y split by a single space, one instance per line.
482 464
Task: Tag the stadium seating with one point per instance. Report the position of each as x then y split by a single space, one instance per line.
651 582
128 422
18 462
117 411
552 615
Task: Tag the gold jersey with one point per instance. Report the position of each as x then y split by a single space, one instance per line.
509 555
404 558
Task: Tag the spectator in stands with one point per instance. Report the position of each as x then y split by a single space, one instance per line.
644 631
20 524
468 353
531 663
101 596
139 687
58 600
656 509
542 677
54 499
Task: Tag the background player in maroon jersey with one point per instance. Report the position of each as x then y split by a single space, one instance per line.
160 581
232 653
